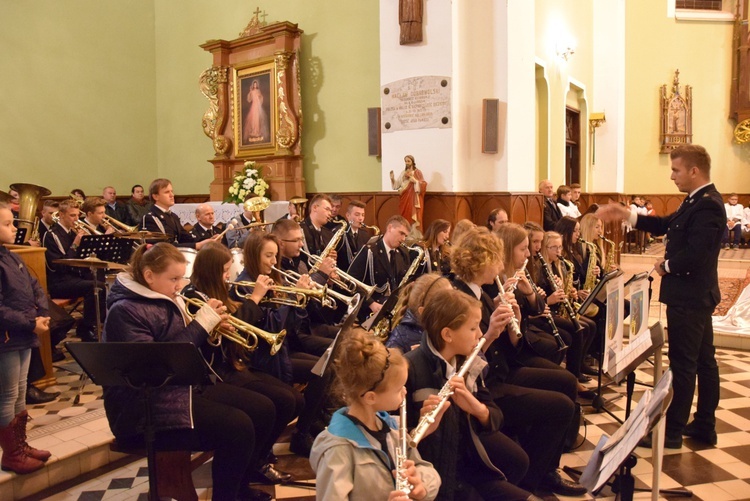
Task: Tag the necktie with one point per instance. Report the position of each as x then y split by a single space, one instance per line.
393 261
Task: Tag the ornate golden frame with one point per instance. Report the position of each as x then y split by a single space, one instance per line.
264 71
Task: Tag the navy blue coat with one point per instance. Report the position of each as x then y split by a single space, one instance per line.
22 299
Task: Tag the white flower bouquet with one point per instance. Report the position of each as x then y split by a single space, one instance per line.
246 183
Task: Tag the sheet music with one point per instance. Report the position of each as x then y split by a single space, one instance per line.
627 355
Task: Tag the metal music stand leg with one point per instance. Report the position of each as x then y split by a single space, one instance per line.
84 377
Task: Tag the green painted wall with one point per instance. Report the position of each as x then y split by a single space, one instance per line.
340 75
78 94
98 92
655 46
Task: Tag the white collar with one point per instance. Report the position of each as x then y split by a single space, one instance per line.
477 290
698 189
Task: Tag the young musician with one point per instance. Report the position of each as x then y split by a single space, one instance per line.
336 218
382 263
65 282
355 238
160 219
227 419
407 331
304 349
317 235
231 361
437 243
94 211
23 316
355 457
535 395
465 443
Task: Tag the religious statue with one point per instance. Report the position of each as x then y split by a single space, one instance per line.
410 21
411 187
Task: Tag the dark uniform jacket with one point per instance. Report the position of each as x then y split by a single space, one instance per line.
692 249
383 273
120 212
350 246
158 221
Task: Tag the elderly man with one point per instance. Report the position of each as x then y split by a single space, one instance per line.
116 209
552 212
204 229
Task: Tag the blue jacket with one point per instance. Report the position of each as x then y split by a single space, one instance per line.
406 334
22 299
138 314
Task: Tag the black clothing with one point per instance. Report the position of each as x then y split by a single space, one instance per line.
552 214
120 212
200 233
315 240
159 221
691 292
350 246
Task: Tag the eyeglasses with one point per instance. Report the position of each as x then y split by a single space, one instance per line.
554 247
382 374
293 241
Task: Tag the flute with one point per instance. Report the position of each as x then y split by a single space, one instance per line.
402 482
445 392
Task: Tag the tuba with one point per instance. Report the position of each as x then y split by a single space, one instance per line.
300 205
29 196
256 205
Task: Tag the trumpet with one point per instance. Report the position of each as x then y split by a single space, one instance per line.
328 302
445 392
345 281
252 333
119 226
295 296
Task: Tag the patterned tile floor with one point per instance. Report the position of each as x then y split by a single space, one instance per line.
716 474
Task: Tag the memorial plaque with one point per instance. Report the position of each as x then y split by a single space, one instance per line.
416 103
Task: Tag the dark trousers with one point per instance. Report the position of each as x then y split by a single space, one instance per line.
538 406
315 392
736 235
63 286
287 401
691 353
230 421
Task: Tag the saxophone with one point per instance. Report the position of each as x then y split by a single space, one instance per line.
591 278
335 240
567 308
382 329
610 255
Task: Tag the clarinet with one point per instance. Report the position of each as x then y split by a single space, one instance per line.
445 392
548 315
566 304
514 327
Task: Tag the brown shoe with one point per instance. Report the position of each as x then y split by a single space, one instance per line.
14 458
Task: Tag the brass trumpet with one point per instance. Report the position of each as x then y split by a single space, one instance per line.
250 343
295 296
328 302
345 281
119 226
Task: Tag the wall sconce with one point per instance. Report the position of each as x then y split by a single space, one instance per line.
596 120
565 52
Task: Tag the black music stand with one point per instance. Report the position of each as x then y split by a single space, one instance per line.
112 248
144 367
322 364
385 312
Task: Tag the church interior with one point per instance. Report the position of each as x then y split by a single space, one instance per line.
490 98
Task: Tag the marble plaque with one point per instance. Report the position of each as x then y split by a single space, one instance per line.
416 103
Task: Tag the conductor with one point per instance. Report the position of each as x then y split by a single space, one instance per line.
689 288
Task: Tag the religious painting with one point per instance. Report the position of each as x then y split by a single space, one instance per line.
254 110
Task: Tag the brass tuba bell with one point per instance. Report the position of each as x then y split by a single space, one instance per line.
29 196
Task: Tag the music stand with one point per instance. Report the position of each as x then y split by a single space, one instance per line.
111 248
322 364
144 367
599 292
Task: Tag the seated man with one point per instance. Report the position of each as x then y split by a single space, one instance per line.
45 221
116 209
336 220
237 236
314 228
94 211
382 263
735 215
138 205
65 282
161 220
355 238
496 218
204 228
